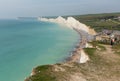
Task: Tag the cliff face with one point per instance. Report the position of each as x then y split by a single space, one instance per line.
71 23
92 31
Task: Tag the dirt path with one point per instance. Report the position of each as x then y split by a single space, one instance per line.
109 54
105 66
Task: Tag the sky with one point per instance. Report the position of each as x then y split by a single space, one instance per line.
34 8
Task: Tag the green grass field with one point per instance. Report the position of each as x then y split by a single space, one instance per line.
100 21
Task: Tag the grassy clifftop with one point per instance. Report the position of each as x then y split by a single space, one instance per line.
100 21
104 65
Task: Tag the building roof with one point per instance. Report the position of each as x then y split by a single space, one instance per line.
116 32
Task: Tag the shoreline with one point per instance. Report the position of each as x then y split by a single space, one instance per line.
84 31
76 53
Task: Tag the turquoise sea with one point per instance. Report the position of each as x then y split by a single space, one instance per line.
25 44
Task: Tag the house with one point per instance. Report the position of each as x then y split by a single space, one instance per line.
106 36
117 18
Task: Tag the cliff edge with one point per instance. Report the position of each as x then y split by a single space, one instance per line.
104 65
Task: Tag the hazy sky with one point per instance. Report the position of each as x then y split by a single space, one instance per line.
15 8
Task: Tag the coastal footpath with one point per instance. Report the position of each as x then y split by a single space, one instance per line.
90 61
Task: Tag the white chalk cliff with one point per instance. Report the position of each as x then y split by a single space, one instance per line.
71 23
83 58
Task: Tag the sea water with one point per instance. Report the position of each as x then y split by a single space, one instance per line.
25 44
